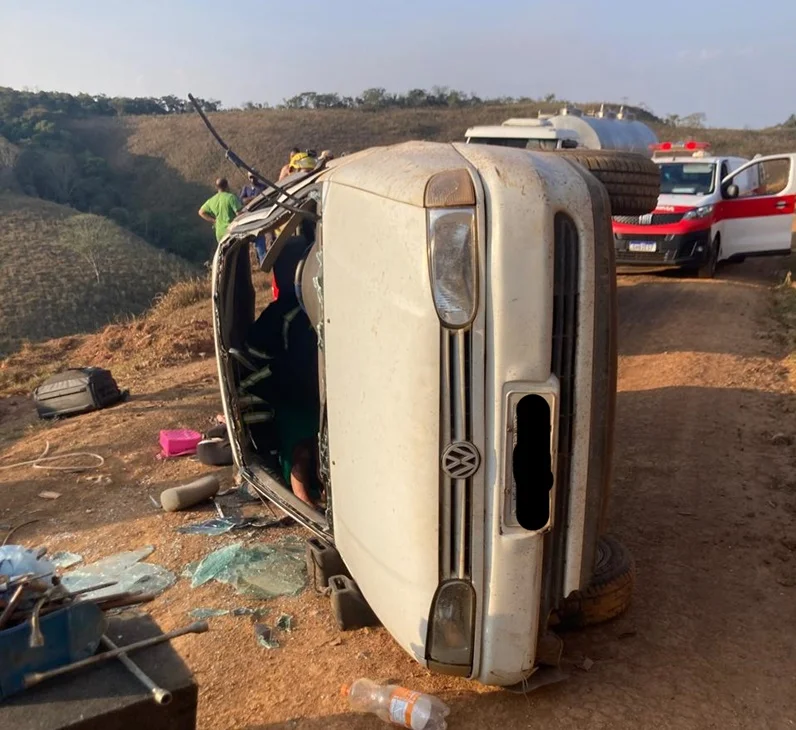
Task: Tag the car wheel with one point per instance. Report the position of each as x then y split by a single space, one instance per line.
609 593
633 181
708 269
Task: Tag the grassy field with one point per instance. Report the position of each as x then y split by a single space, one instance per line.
63 272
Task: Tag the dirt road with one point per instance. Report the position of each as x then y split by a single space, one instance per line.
705 497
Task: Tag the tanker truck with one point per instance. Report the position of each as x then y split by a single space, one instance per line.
570 128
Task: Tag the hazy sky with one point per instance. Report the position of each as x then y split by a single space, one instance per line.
733 60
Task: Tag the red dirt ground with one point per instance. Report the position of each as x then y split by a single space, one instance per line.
704 496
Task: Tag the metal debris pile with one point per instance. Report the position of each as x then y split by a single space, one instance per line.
51 625
30 589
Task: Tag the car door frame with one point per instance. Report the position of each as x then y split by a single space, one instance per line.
235 244
758 225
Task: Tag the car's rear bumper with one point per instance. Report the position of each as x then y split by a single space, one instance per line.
673 250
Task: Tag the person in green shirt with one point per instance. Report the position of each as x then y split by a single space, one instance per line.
221 208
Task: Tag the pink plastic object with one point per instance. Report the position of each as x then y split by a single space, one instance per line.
179 443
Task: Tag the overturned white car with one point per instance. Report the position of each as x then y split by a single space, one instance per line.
447 333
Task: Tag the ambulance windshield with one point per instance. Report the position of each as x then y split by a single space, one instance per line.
687 178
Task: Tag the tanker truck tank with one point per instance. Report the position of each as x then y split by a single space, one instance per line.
601 130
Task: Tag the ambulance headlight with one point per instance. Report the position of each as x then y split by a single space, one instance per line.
704 211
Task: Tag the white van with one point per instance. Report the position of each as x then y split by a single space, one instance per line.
463 308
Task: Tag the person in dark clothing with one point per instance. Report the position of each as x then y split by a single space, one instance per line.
252 190
283 341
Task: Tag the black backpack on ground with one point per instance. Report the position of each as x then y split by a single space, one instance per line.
77 391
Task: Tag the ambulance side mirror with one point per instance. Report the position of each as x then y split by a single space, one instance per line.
731 191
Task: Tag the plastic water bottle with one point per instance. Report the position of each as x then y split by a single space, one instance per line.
397 705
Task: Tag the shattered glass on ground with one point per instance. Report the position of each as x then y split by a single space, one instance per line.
264 636
64 559
201 614
217 526
126 570
260 571
221 525
206 613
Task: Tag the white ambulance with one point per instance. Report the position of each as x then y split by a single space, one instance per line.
711 209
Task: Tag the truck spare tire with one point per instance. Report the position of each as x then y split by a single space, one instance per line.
633 181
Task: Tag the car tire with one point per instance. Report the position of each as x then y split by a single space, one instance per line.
708 269
633 181
610 592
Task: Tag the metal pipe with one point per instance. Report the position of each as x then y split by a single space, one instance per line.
35 678
160 695
30 680
36 636
12 604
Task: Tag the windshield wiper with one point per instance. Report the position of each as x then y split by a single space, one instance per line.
240 164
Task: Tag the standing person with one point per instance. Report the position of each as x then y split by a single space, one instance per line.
248 193
252 190
221 209
286 169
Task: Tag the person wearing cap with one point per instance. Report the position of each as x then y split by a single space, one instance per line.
303 161
285 171
221 209
252 190
299 161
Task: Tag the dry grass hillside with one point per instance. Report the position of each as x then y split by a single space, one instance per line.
169 162
185 149
177 329
63 272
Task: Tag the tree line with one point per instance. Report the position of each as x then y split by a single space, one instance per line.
379 98
33 116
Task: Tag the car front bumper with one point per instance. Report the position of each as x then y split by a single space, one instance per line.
689 250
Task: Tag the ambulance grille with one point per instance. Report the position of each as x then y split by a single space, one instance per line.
651 219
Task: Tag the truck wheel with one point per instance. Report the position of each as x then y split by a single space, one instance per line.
609 592
633 181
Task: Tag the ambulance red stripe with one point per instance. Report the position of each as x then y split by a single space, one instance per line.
723 210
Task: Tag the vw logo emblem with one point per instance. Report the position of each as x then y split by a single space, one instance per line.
460 460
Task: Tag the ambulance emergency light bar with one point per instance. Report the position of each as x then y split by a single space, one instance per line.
695 148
